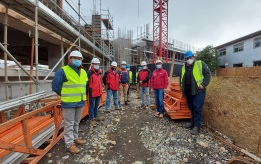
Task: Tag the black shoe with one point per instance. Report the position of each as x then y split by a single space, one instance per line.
126 103
195 131
190 126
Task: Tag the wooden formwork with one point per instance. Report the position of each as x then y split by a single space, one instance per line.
175 104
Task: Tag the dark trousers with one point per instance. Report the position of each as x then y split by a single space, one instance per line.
94 104
195 104
159 97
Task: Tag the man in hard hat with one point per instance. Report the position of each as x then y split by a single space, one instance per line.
94 90
138 83
159 82
111 81
124 80
144 79
130 80
70 83
195 77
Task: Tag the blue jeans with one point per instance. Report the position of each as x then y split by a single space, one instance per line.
94 104
145 91
159 96
109 93
195 105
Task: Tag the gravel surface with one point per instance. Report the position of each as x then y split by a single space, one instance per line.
134 136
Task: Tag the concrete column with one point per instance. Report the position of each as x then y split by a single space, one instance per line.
54 55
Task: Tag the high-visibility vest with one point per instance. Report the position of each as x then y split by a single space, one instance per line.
74 90
130 77
197 72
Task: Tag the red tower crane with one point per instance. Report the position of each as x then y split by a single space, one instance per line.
160 30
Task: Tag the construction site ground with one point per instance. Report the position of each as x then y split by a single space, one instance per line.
135 135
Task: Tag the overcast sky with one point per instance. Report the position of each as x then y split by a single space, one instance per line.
195 22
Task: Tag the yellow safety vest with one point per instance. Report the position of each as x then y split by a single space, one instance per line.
74 90
130 76
197 72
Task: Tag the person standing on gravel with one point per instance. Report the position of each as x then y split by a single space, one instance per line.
159 82
111 81
130 81
143 79
137 83
94 88
124 83
70 83
195 77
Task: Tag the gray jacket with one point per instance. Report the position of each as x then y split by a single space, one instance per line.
194 88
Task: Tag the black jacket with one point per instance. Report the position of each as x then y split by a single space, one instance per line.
194 88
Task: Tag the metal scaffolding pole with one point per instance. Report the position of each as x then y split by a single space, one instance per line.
60 59
5 55
36 43
62 50
79 22
16 62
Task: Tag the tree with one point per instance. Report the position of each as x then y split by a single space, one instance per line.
209 55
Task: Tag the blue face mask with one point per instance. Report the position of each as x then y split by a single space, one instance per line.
96 67
123 67
76 62
158 66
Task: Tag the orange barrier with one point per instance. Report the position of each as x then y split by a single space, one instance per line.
26 132
175 104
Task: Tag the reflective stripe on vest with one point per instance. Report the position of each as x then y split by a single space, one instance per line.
197 72
74 90
130 76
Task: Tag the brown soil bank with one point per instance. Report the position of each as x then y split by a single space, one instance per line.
233 107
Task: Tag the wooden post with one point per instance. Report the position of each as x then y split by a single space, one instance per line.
172 65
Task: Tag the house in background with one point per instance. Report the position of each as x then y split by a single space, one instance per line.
241 52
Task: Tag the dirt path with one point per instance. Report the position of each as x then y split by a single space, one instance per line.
134 135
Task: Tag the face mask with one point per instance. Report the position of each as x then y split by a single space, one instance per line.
190 61
144 67
113 68
123 67
158 66
76 62
96 67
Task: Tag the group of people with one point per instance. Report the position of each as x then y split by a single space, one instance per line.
73 84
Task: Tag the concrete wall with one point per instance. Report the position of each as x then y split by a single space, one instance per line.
247 56
54 55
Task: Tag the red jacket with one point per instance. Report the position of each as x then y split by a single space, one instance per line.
95 82
159 79
112 79
144 76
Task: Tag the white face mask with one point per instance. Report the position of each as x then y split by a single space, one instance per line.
144 67
190 61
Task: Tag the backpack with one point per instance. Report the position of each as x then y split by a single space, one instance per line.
124 77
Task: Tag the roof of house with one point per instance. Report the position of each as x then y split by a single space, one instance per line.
239 39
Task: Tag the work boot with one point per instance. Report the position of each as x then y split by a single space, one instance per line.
80 141
157 114
93 123
99 118
190 126
126 103
107 111
195 131
118 108
73 149
119 103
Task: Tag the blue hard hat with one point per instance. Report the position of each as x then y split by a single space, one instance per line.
127 66
188 54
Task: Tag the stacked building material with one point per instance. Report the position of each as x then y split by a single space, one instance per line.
175 103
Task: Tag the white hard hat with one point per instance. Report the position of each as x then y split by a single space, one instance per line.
76 54
114 64
143 63
123 62
158 61
95 60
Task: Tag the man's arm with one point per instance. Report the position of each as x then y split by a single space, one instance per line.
207 75
58 80
166 80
